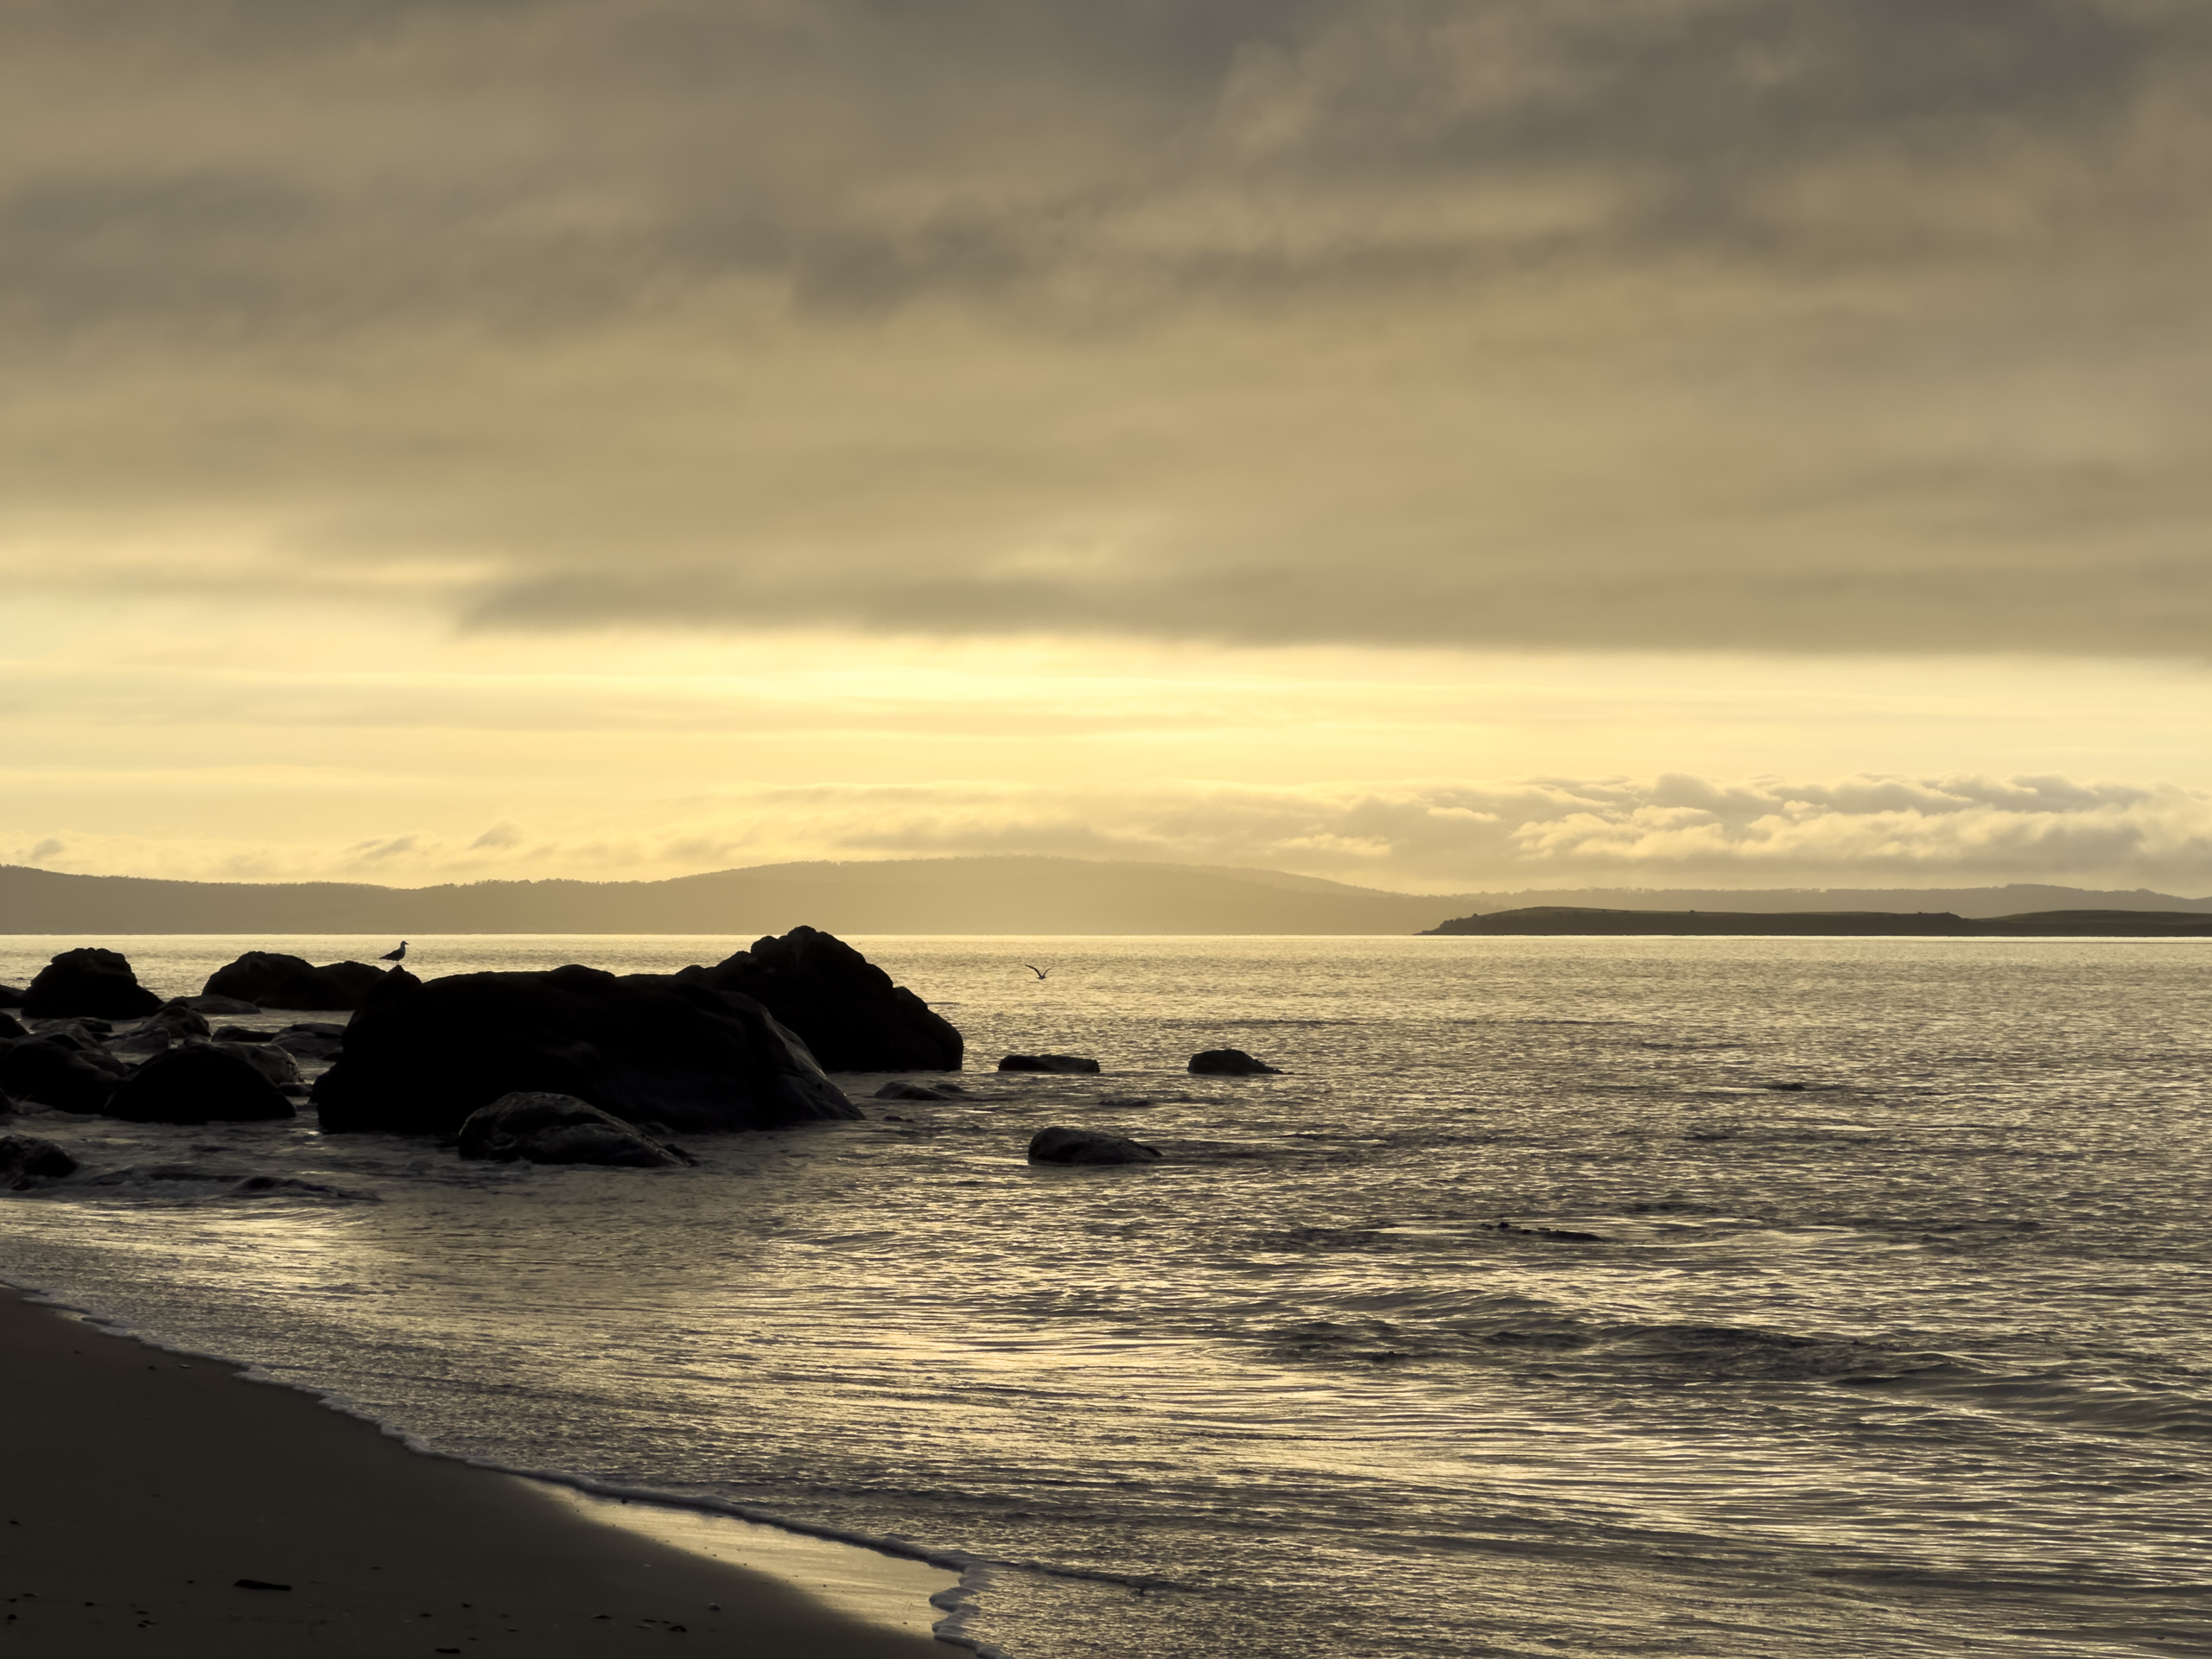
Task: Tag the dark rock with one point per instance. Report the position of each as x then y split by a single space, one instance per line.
420 1058
273 1063
229 1007
78 1038
11 1027
10 997
95 1032
844 1008
171 1023
1070 1065
542 1128
241 1035
25 1158
910 1091
200 1083
1231 1063
88 981
1061 1145
313 1041
54 1075
270 979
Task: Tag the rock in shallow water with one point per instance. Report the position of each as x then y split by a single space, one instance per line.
542 1128
1067 1064
88 981
270 979
419 1058
25 1158
1062 1145
201 1083
53 1074
1231 1063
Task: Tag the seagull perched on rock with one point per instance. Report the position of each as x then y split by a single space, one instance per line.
1035 968
399 955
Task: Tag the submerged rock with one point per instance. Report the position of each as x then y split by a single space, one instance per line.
1068 1065
846 1009
25 1158
420 1058
542 1128
313 1040
270 979
88 981
272 1062
228 1007
1231 1063
903 1091
171 1023
201 1083
54 1075
1062 1145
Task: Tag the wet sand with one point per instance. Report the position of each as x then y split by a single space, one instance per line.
136 1490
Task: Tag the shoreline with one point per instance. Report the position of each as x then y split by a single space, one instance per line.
143 1486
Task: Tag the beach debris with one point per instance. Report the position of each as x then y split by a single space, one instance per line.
202 1083
531 1127
904 1090
1231 1063
1065 1064
421 1057
88 981
845 1009
270 979
1060 1145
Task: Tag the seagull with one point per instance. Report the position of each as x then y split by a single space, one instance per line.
399 955
1035 968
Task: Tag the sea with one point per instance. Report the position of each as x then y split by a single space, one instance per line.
1560 1296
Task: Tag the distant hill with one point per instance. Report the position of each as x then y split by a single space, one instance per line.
2018 899
1838 924
1013 894
937 895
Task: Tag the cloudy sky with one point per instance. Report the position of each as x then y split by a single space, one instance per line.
1502 443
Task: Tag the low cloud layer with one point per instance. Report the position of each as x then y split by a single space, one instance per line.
1772 324
1541 832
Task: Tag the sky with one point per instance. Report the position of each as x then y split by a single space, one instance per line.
1439 446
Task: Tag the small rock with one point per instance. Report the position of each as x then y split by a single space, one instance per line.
198 1084
1231 1063
903 1091
533 1127
226 1006
88 981
55 1075
1061 1145
1068 1065
25 1158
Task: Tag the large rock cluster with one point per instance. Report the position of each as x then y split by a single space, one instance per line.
845 1009
270 979
420 1057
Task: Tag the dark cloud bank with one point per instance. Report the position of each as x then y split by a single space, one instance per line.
1739 323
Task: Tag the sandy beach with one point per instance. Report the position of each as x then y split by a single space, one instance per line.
154 1505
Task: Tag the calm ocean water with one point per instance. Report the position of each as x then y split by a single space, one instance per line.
1912 1357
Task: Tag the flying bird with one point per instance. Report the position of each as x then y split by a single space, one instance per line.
399 955
1035 968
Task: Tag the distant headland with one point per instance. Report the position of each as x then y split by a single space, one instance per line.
1836 923
1025 894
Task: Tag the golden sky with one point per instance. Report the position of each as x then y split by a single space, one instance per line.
1506 442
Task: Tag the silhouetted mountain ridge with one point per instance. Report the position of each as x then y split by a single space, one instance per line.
1013 893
